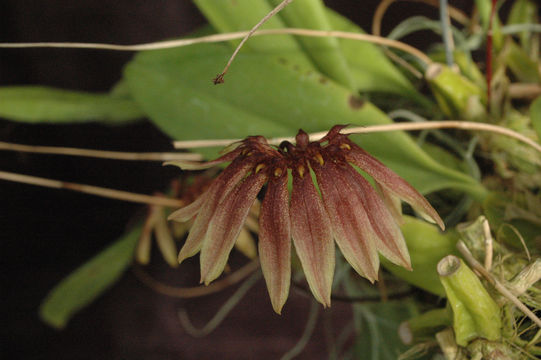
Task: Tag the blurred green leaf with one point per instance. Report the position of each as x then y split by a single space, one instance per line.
520 63
485 8
324 51
427 246
457 96
272 97
377 329
37 104
86 283
376 325
242 15
371 69
523 12
535 116
512 230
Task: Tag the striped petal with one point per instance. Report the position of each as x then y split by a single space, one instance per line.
218 190
187 212
393 203
389 180
275 241
226 224
351 228
389 239
311 232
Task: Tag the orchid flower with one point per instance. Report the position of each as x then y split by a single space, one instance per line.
347 209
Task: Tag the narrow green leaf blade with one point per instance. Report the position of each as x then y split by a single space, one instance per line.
86 283
324 51
535 116
37 104
371 69
241 15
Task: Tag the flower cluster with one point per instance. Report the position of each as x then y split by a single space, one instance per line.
362 221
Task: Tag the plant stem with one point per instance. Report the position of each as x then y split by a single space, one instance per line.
446 124
94 190
114 155
220 78
226 37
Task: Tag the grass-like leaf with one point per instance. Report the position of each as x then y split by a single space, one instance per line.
39 104
87 282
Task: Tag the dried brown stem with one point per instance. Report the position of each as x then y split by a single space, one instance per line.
94 190
446 124
114 155
220 78
231 36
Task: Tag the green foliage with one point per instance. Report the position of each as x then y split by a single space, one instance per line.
272 97
242 15
324 51
377 329
370 68
38 104
427 246
535 116
89 281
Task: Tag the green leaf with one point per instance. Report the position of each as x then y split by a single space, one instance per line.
86 283
272 97
371 69
523 12
522 66
378 337
241 15
37 104
324 51
427 246
535 116
457 96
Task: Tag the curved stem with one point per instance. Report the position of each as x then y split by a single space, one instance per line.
196 291
445 124
308 330
222 313
225 37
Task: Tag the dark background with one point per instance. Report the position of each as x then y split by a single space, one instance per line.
46 233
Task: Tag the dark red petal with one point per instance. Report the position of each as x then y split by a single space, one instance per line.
392 182
275 241
226 224
218 190
351 228
311 232
390 241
